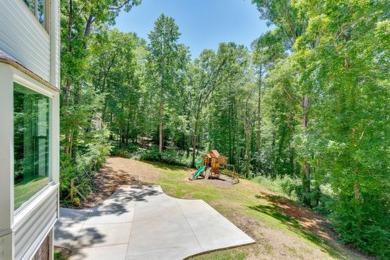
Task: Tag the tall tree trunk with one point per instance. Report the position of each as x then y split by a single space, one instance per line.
189 141
305 109
162 84
234 134
68 136
230 133
259 120
160 146
104 85
88 25
194 142
247 151
196 126
247 126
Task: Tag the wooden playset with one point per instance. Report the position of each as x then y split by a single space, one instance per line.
213 165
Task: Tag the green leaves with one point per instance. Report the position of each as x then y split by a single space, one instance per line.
338 56
166 64
312 95
84 138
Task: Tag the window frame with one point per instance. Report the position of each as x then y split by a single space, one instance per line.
46 11
27 83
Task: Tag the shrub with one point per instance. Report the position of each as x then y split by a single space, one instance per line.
362 225
83 164
281 184
293 188
170 156
120 152
152 155
67 172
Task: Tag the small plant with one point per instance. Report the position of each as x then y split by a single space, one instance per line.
76 202
61 253
59 256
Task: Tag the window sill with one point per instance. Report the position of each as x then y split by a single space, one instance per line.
23 213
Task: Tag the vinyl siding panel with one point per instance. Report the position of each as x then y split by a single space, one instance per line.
30 234
24 38
2 248
55 43
6 247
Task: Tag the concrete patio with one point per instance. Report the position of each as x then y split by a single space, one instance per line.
141 222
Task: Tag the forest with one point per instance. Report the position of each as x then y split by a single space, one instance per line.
307 105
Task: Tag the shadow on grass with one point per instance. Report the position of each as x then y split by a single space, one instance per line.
292 224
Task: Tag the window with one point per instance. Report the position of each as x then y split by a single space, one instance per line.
31 143
37 7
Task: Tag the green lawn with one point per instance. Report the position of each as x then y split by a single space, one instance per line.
249 207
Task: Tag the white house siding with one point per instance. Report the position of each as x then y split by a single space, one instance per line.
55 43
5 245
32 232
2 253
24 38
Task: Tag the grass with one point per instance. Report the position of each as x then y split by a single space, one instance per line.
263 215
241 201
25 189
59 256
233 253
61 253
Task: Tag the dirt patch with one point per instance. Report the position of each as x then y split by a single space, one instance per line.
305 220
116 172
119 171
224 182
270 243
274 243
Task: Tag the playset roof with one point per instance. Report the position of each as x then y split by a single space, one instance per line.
214 154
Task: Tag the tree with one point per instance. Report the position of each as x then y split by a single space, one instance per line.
337 74
83 144
268 49
163 64
210 73
116 76
78 20
292 23
342 54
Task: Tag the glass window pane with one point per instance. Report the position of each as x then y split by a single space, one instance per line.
41 11
31 143
30 4
37 7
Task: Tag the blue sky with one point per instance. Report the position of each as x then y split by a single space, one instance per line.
202 23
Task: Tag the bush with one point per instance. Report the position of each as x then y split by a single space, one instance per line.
120 152
375 241
82 166
67 172
168 156
293 188
364 225
81 172
281 184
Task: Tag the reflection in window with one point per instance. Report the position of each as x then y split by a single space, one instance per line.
37 7
31 143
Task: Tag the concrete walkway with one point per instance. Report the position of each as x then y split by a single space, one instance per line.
141 222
